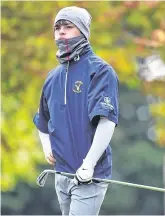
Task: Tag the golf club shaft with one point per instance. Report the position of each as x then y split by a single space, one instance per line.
122 183
112 181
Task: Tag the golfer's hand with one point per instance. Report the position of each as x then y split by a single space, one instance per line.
84 175
50 158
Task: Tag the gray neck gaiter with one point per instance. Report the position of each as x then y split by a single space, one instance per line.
70 49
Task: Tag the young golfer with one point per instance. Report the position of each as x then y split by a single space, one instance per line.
77 115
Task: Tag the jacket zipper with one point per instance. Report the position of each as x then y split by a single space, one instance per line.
66 78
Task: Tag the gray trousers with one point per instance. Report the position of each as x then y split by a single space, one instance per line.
84 199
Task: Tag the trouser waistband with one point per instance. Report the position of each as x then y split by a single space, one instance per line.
72 177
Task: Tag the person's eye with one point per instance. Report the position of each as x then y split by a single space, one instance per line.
56 28
68 26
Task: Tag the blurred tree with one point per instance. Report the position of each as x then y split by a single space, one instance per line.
27 55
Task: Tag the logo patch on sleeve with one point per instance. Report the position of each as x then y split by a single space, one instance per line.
107 104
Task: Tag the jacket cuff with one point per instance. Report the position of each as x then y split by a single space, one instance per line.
95 116
36 121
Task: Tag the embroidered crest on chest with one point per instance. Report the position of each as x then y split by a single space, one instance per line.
78 87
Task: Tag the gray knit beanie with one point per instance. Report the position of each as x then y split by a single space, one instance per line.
78 16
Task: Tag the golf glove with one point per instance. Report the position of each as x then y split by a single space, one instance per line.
84 175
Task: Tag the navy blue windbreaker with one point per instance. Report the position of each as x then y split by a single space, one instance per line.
73 98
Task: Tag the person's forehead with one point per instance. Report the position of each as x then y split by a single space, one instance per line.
63 22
